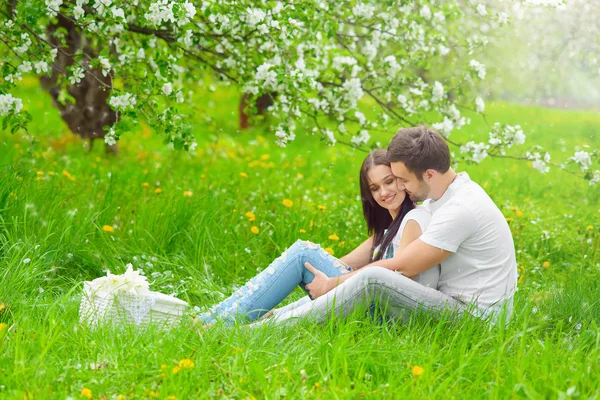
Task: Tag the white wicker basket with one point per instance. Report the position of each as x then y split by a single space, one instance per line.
122 307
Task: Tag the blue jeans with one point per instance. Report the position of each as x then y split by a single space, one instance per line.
270 287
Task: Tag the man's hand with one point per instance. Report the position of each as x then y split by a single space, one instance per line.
321 284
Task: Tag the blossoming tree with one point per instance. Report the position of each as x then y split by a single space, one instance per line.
108 63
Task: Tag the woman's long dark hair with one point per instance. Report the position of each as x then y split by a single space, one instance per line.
378 218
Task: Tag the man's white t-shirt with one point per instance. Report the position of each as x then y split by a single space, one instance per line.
483 268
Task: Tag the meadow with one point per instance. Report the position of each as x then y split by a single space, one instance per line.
200 224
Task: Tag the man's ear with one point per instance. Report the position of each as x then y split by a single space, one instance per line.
429 174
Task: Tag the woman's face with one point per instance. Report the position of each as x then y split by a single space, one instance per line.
386 189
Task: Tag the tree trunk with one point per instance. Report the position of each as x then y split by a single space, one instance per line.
90 112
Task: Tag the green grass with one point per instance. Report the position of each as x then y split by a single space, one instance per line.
55 199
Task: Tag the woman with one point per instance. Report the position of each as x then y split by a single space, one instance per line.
393 221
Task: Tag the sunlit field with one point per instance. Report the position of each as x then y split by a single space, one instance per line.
200 224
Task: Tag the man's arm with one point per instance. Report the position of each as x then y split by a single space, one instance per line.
413 257
416 258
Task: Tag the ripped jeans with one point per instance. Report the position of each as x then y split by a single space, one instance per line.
271 286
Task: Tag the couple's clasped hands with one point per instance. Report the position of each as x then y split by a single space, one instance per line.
321 284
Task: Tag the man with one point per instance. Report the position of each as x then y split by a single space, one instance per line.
468 236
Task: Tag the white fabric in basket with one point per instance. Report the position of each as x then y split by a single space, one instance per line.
120 306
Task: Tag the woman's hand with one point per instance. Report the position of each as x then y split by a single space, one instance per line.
321 284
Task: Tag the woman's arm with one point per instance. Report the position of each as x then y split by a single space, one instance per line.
360 256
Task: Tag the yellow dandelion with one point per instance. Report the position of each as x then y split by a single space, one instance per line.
521 279
171 397
546 264
265 157
145 184
158 190
51 173
288 203
186 363
341 244
417 370
243 174
341 201
589 228
163 367
108 228
176 369
2 307
254 230
300 176
322 208
40 173
250 215
329 250
85 392
334 237
509 220
68 175
188 193
519 213
302 231
3 326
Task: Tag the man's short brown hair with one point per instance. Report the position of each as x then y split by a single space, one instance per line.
419 149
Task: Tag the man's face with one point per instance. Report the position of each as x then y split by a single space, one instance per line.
417 189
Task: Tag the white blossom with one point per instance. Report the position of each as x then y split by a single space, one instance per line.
583 159
53 7
118 12
25 67
479 105
445 127
190 9
330 136
481 10
363 10
102 5
394 67
478 67
438 92
361 117
478 151
124 102
78 12
255 16
502 18
541 166
160 11
363 137
9 103
41 67
596 178
266 76
353 90
77 76
167 89
104 65
339 62
110 137
425 12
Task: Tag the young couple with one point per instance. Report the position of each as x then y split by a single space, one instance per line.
455 252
